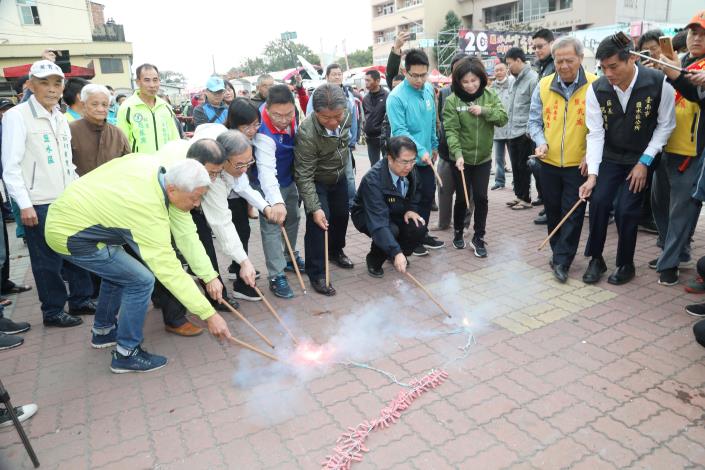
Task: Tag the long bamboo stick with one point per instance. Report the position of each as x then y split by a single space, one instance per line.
430 296
253 348
438 177
325 253
465 189
274 313
241 317
553 232
293 259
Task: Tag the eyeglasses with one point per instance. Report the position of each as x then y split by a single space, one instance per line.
283 117
252 127
406 162
215 174
417 76
241 166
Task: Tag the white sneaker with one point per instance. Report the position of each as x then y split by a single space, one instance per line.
23 413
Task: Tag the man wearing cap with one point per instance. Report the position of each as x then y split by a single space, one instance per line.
675 211
147 120
213 110
37 168
629 115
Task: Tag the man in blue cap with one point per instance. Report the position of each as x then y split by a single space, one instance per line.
213 110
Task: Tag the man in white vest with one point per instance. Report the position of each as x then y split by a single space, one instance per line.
37 167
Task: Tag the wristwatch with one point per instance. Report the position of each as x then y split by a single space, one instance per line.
646 160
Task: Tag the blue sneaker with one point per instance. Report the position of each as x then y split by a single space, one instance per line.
280 286
290 266
139 361
104 341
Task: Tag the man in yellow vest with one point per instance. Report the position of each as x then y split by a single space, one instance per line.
557 126
675 211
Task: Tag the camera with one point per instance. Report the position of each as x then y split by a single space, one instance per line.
412 36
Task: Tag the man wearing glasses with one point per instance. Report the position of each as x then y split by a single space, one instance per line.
411 108
386 208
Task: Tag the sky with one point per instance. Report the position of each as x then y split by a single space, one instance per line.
184 39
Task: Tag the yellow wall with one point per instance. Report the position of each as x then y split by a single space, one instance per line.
61 21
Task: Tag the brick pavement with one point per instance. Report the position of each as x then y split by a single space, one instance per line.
561 376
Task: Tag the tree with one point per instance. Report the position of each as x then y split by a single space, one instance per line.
359 58
169 77
280 54
444 48
253 66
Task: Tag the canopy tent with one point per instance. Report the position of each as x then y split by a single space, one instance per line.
437 77
18 71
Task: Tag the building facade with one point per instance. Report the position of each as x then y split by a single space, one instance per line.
427 17
29 27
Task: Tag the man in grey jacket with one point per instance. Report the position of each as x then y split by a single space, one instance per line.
502 84
520 145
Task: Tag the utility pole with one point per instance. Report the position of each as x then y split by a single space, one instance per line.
345 54
213 61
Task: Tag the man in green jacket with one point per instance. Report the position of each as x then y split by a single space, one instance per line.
320 156
144 208
147 120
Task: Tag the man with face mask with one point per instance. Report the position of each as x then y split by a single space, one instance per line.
630 116
560 147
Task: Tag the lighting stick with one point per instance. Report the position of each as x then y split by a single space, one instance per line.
430 296
293 259
239 315
570 212
274 312
325 249
252 348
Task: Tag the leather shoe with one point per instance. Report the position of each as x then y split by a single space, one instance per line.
622 275
319 285
63 320
541 220
342 260
560 272
595 270
187 329
86 309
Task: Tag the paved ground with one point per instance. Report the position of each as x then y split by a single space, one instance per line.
561 376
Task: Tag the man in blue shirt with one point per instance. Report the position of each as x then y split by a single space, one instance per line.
213 110
411 109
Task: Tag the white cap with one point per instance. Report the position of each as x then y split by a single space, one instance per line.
45 68
209 130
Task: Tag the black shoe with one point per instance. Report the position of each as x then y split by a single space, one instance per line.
86 309
222 308
458 240
374 269
434 207
433 243
478 245
696 310
560 272
497 186
420 251
541 219
648 227
342 260
595 270
9 327
537 202
10 341
622 275
244 292
63 320
319 285
653 263
668 277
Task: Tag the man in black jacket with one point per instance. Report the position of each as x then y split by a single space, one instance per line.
374 106
386 207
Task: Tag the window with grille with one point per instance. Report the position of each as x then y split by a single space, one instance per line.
29 14
110 65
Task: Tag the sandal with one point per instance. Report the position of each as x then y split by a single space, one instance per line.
521 205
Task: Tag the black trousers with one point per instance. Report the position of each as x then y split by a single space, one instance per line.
374 149
477 177
535 169
334 202
408 235
206 236
520 148
238 209
427 180
647 213
612 185
560 193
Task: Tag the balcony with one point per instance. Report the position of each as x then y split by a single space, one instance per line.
109 31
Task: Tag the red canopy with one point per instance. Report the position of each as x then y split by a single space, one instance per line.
21 70
437 77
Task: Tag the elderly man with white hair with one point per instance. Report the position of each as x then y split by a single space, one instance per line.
93 140
143 208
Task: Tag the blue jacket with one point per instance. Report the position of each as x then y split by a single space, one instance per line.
412 113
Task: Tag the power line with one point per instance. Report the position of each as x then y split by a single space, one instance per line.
60 6
41 36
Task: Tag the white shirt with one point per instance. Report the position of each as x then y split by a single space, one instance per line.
14 136
215 207
266 156
665 122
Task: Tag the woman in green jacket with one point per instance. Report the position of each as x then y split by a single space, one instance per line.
470 115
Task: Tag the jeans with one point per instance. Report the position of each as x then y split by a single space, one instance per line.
675 210
125 289
560 194
612 184
520 148
272 239
4 258
499 149
47 269
374 149
477 177
334 199
445 196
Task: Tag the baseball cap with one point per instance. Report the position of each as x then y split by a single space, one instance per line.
6 103
45 68
698 20
215 84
